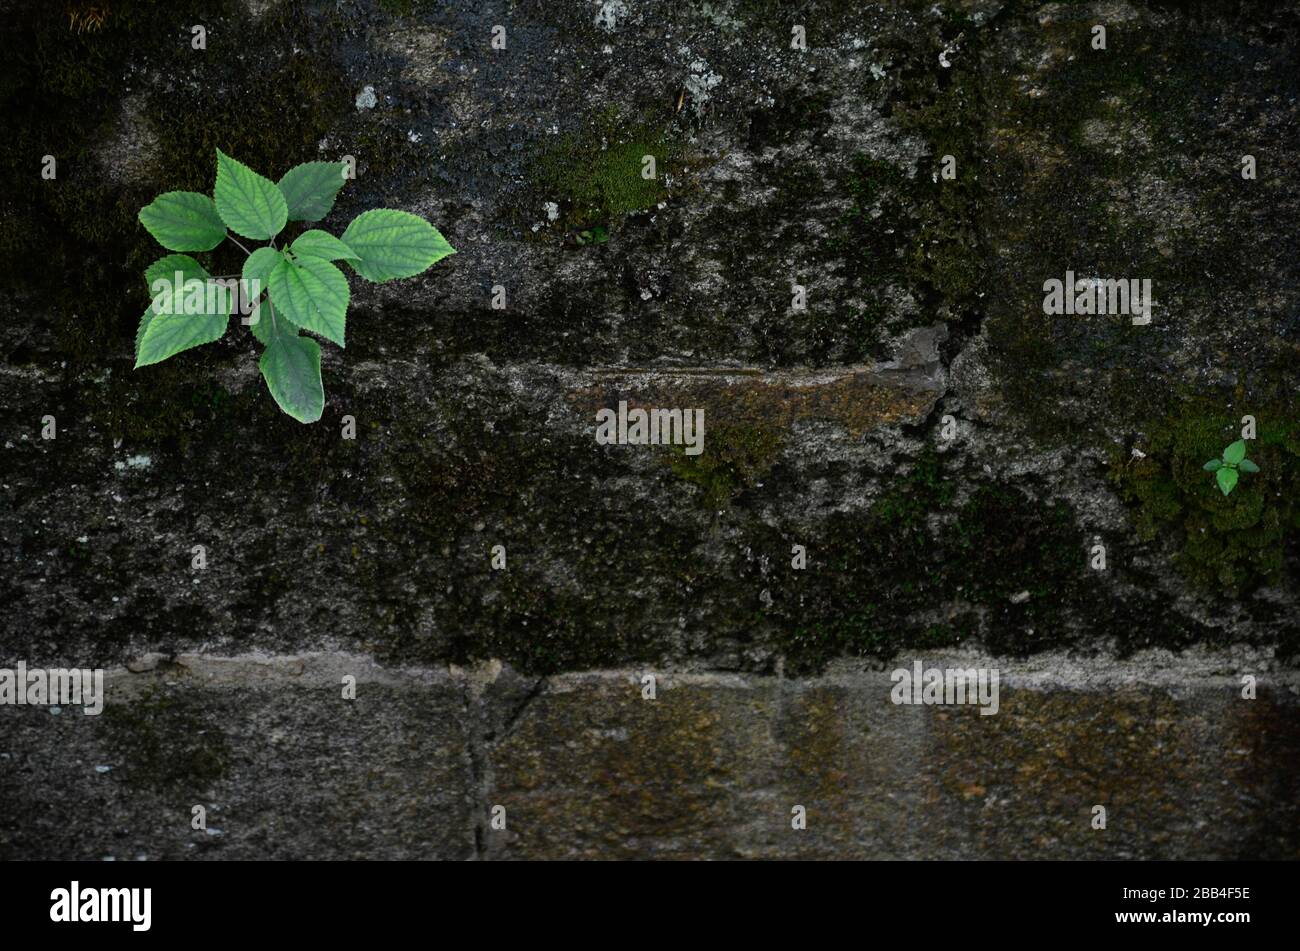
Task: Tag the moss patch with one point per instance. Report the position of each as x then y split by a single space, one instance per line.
946 254
734 459
1232 543
1119 164
596 175
1011 571
870 234
924 232
165 742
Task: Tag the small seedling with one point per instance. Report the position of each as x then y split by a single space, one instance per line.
596 235
1234 460
304 290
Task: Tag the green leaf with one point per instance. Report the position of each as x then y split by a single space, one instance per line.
1212 465
1227 478
1247 466
393 244
262 326
257 267
310 189
162 334
323 245
183 221
271 323
313 294
139 331
249 204
291 367
259 264
165 268
1235 453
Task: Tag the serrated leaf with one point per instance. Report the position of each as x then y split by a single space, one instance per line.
183 221
139 331
313 294
1247 466
1227 478
323 245
1212 465
1235 453
309 189
163 334
291 368
393 244
165 269
271 324
248 203
262 325
257 267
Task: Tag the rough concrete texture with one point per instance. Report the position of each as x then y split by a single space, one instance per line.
586 766
949 456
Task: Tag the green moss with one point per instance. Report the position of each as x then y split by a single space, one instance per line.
875 240
769 21
178 400
165 742
466 489
735 457
870 233
1141 74
874 581
1233 543
947 254
595 175
920 232
590 596
1082 152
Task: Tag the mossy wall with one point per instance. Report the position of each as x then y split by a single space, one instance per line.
819 168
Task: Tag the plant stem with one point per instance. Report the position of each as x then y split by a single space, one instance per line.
237 244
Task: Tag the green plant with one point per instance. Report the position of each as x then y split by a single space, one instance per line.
304 290
596 235
1228 544
1225 469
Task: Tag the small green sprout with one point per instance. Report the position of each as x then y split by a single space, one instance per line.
1225 470
596 235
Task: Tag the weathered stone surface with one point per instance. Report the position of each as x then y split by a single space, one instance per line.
775 167
713 766
585 766
947 456
283 766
